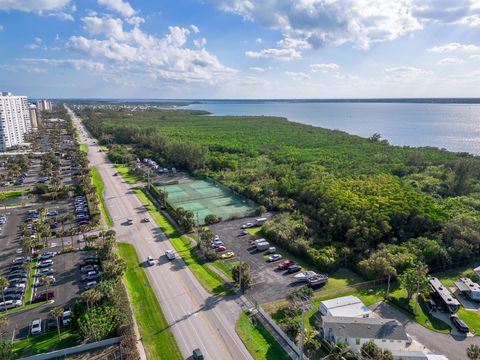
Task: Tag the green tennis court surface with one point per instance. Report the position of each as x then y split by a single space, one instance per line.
205 198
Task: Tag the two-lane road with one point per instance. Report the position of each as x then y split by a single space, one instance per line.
195 317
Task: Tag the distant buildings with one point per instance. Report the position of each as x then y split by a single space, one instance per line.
14 120
44 105
33 116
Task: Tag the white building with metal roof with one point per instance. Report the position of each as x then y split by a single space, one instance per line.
346 306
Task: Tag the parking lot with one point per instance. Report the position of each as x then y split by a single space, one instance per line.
269 283
68 283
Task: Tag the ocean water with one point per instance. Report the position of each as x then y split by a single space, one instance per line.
455 127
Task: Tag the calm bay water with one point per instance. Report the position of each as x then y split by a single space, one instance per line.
455 127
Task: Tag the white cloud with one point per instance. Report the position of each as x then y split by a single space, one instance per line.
320 22
450 61
200 43
277 54
135 53
1 28
447 11
120 6
77 64
37 44
297 76
58 8
257 69
195 29
475 56
454 46
406 73
33 5
324 67
258 41
294 43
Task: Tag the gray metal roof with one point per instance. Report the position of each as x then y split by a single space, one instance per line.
443 292
365 328
466 284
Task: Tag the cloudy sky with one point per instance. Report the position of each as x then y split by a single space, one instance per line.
240 48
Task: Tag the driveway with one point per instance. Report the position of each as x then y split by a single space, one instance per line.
453 347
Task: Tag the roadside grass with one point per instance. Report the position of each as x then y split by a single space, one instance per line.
28 293
259 342
256 232
13 194
45 343
156 336
225 267
209 279
98 183
84 148
472 319
128 174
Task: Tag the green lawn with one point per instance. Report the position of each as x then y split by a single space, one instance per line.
13 193
84 148
157 338
45 343
259 342
209 279
256 232
98 183
127 174
225 267
472 319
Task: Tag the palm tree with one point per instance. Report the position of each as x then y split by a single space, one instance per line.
3 284
27 244
91 297
473 352
56 313
4 321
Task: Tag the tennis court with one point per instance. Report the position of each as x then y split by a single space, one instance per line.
205 198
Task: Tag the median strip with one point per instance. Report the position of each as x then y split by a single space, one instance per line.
98 183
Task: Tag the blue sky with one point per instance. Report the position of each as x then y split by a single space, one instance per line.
240 48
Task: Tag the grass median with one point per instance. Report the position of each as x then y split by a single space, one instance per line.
156 336
209 279
84 148
259 342
98 183
128 175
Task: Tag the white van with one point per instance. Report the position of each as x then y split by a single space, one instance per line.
170 254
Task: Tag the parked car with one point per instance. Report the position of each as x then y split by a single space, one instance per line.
459 324
42 272
43 296
274 257
46 255
90 285
87 268
41 282
170 254
91 277
294 268
36 327
228 255
146 220
45 263
220 249
247 226
10 304
67 316
51 324
91 260
244 232
285 264
14 297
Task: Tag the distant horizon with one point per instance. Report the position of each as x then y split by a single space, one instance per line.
450 100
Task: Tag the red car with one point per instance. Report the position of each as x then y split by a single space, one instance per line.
286 264
43 296
220 248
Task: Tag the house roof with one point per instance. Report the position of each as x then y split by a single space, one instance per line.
443 292
348 306
365 328
466 284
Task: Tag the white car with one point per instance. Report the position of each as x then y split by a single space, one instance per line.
150 261
90 285
36 327
66 317
10 304
247 226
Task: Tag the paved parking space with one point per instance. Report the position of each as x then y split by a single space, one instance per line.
67 289
269 283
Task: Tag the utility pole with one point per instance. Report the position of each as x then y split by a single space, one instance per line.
240 265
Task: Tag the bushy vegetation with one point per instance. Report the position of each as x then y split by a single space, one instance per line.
343 198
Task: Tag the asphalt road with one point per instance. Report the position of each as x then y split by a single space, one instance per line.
196 318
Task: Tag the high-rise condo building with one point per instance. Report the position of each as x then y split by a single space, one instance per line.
14 120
